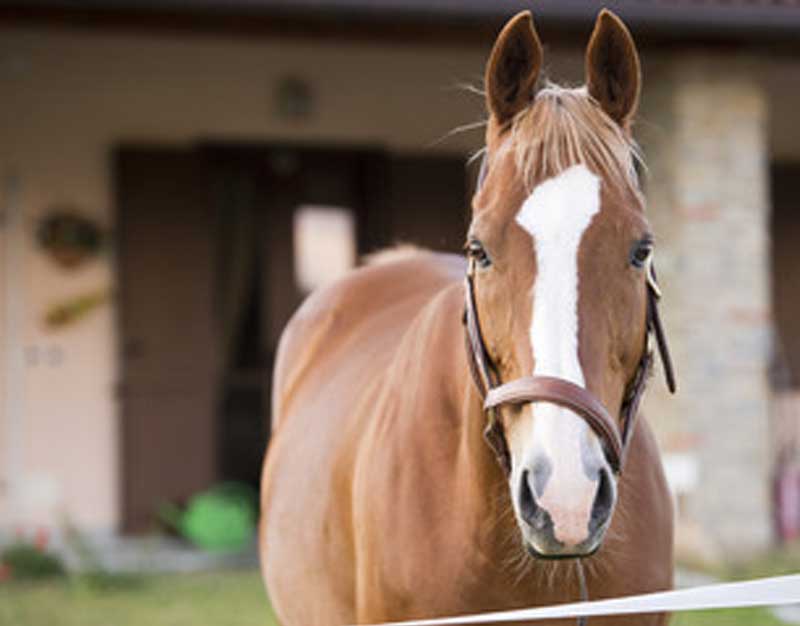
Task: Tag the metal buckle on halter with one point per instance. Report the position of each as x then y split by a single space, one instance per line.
494 436
650 273
654 324
471 267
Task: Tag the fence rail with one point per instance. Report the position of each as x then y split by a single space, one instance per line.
776 591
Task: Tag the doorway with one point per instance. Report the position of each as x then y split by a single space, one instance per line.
210 270
785 371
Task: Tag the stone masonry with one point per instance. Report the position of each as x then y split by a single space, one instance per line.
704 132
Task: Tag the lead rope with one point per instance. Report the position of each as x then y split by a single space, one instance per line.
584 592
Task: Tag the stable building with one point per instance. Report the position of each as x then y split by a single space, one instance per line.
174 180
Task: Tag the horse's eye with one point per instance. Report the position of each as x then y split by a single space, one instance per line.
641 252
476 251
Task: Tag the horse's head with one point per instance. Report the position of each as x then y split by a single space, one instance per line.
560 247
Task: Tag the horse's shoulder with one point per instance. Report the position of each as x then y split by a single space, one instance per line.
373 303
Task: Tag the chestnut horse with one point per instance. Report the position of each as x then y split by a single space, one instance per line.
381 499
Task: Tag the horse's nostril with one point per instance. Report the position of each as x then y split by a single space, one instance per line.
603 501
527 503
529 510
531 487
533 515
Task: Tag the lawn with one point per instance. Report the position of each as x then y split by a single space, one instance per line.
220 599
732 617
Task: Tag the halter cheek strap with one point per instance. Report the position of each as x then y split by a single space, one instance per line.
614 433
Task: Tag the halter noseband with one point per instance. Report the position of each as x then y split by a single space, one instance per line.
615 434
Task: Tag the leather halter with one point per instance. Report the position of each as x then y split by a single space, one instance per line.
614 433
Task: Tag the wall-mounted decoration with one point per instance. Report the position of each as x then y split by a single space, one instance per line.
74 309
69 238
294 99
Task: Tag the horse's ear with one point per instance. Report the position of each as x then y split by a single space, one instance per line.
513 68
613 74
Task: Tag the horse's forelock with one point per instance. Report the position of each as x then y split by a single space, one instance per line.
565 127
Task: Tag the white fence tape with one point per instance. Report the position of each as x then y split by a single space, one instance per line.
764 592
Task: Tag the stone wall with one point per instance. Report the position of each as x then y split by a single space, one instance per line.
704 129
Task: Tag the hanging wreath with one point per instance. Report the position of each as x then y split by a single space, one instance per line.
69 238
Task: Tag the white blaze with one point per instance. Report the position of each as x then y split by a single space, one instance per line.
556 215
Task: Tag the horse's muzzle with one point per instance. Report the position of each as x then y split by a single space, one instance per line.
556 532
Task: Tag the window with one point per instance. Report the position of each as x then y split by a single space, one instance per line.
324 244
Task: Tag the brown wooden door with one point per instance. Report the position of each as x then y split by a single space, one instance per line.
785 231
274 181
428 201
207 283
168 343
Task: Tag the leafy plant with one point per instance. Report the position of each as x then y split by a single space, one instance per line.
22 561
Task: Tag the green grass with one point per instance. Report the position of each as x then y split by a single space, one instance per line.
221 599
785 560
214 598
729 617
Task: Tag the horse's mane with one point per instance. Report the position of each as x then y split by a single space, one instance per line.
398 252
565 127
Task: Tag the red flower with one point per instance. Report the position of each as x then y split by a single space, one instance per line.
42 539
5 572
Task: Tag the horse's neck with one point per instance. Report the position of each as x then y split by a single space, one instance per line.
443 373
442 421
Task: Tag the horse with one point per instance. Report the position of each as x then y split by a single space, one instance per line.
381 500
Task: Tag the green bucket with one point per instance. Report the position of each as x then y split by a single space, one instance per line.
222 519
